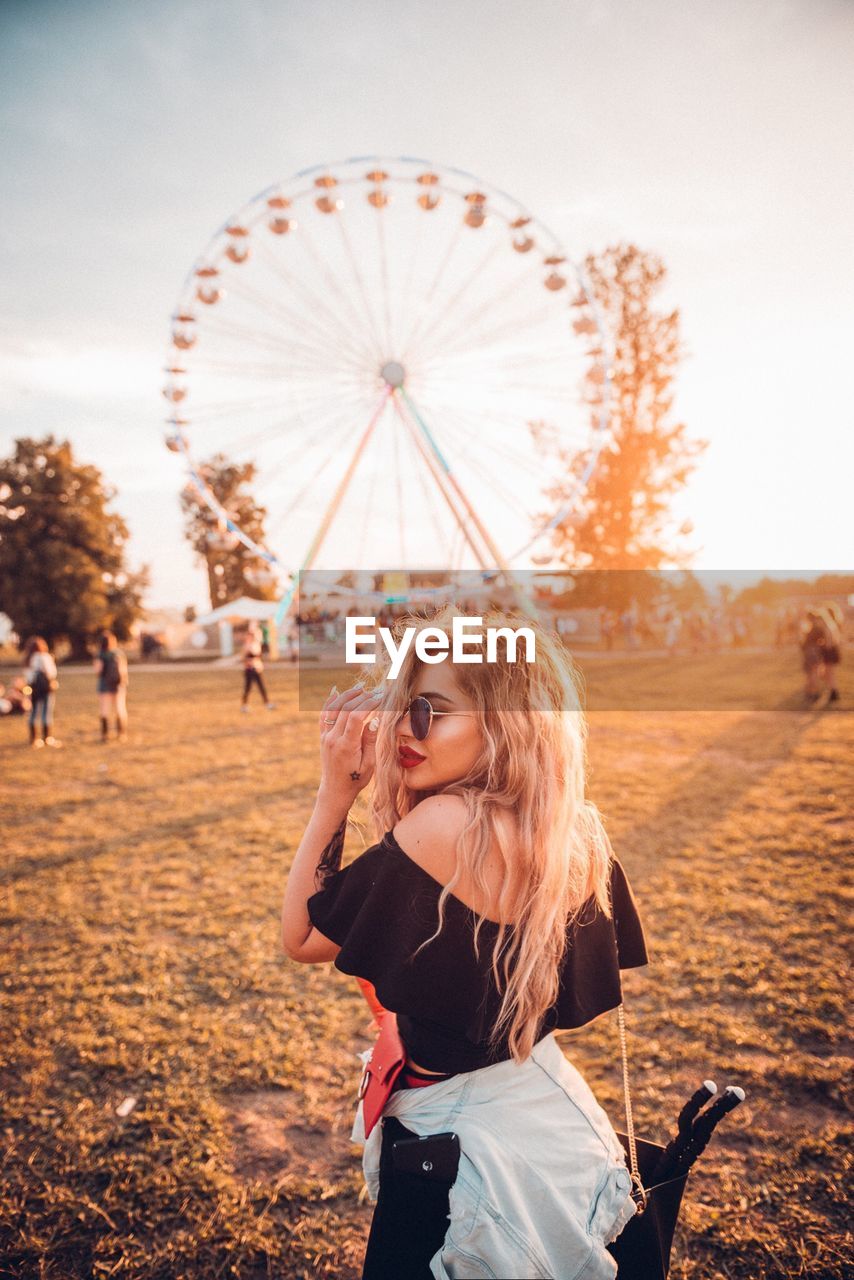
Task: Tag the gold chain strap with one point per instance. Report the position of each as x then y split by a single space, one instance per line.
630 1127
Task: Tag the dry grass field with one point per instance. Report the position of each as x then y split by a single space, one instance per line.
141 887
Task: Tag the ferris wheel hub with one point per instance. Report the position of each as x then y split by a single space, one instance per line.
393 374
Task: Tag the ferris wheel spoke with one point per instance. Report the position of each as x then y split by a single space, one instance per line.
557 358
411 337
314 314
335 285
398 488
447 305
406 303
386 292
453 326
468 427
465 430
486 537
525 400
546 374
284 380
464 453
336 331
488 336
368 316
243 445
457 360
299 395
309 484
453 481
453 356
512 401
429 489
227 408
329 514
369 501
227 368
265 341
303 418
224 408
310 352
419 475
440 479
303 327
554 396
349 331
496 390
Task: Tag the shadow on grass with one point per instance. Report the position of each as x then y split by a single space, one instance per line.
676 811
175 827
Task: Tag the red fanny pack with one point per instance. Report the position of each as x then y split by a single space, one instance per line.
385 1064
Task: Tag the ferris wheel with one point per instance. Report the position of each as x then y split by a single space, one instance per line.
406 354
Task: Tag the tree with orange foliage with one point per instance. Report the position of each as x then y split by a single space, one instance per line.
622 518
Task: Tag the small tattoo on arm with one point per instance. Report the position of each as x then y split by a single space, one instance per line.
330 859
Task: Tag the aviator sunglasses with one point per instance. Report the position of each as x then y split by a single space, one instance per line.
421 712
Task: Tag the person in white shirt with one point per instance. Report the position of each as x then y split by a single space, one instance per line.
40 676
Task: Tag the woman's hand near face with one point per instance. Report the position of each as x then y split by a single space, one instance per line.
348 743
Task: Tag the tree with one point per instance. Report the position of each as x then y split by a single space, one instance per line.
775 591
621 519
233 570
62 551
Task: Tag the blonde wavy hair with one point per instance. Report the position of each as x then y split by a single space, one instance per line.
533 765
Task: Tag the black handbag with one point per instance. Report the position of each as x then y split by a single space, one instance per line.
642 1249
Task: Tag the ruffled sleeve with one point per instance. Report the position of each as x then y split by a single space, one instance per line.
335 908
382 906
598 949
631 943
380 909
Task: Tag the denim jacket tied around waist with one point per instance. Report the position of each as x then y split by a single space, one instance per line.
542 1184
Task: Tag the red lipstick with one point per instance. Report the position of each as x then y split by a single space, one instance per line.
409 758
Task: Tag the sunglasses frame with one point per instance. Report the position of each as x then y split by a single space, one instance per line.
433 712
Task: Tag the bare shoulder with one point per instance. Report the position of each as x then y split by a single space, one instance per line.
429 833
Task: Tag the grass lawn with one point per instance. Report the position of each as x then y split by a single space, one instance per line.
140 892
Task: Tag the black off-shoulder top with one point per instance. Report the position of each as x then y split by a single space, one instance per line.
382 906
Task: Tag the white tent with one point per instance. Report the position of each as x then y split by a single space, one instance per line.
240 611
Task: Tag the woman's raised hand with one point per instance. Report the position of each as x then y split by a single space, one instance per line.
348 734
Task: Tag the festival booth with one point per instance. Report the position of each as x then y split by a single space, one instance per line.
236 614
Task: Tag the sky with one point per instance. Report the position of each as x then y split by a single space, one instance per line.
717 135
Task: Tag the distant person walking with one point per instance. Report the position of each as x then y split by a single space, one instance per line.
814 639
111 668
253 665
672 632
628 619
831 615
41 678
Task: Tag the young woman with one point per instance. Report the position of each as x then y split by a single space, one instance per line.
41 678
814 642
253 665
834 621
490 913
111 668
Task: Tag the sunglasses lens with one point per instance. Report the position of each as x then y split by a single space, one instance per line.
419 718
